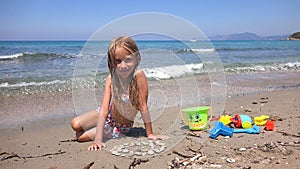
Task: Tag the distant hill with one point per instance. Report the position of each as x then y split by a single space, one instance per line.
294 36
247 36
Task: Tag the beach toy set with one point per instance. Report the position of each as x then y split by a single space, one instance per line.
242 123
197 117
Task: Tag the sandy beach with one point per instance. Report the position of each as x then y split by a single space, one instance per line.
47 141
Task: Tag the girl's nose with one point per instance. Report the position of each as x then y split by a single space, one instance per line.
123 66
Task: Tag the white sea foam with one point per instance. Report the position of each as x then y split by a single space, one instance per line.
198 50
290 65
173 71
5 57
204 50
23 84
262 68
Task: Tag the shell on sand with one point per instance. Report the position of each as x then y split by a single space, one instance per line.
139 148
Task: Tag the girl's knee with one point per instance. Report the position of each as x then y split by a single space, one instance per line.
75 124
82 137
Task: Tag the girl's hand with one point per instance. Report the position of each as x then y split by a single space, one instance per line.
157 137
96 146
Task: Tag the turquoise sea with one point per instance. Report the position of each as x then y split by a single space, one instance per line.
43 66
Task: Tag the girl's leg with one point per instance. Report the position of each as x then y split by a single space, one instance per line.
84 136
84 124
85 121
89 135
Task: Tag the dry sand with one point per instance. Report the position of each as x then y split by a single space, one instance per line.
47 142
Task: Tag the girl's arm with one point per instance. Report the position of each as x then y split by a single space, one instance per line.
143 98
102 116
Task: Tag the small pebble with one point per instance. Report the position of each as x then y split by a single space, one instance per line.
185 163
242 149
138 153
156 150
144 143
159 143
255 161
150 152
162 149
144 150
131 153
230 160
266 161
116 153
125 150
216 166
151 145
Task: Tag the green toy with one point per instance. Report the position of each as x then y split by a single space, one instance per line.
197 117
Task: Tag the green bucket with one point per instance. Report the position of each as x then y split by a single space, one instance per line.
197 117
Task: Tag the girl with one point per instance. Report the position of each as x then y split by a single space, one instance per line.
126 93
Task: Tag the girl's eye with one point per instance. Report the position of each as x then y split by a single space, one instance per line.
128 60
118 61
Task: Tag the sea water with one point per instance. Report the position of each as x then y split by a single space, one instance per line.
46 66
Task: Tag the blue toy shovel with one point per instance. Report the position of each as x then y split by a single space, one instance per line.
221 129
254 130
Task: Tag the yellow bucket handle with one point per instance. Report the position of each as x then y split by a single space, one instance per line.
211 114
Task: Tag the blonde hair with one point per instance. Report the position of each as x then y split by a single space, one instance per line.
129 45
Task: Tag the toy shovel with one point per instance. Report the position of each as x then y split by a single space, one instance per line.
254 130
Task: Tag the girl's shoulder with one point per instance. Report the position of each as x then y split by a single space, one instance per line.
108 80
140 74
141 78
108 77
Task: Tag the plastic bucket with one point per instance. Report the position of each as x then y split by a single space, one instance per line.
197 117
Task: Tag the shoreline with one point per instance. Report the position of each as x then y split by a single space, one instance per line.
20 109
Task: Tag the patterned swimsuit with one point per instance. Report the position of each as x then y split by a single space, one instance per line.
114 129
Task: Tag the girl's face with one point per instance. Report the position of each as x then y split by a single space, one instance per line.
125 62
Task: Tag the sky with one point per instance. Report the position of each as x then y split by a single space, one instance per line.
78 19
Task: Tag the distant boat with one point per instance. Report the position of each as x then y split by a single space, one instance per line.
193 40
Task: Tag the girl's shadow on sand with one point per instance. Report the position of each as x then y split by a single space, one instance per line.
136 132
